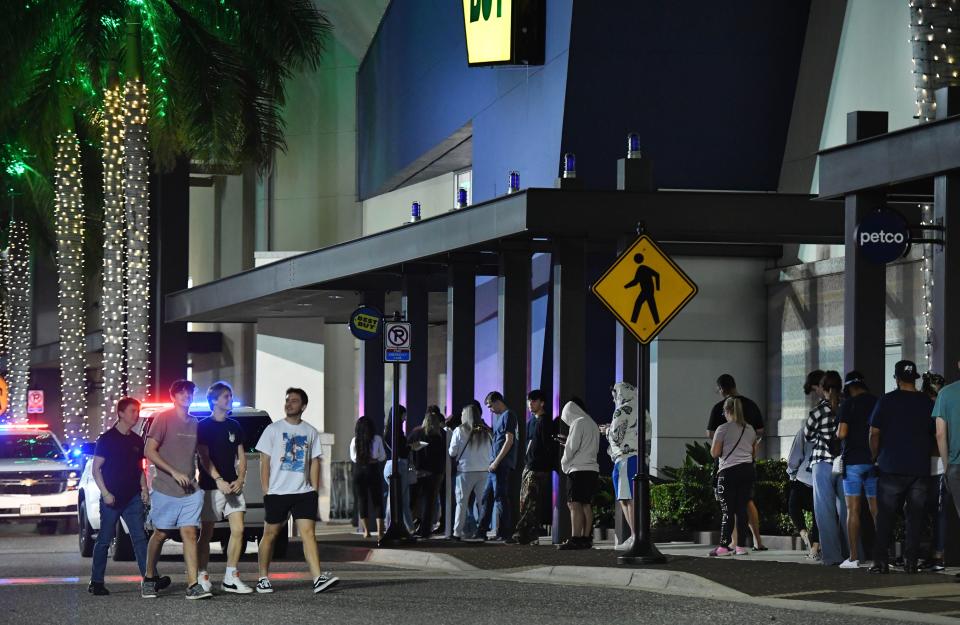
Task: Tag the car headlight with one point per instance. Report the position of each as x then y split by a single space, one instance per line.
72 480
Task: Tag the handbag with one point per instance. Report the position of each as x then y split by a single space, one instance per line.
838 466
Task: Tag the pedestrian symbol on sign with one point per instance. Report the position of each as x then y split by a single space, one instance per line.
645 277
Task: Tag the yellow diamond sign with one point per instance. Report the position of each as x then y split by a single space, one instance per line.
644 289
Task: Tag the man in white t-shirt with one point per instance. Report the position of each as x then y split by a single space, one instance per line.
290 478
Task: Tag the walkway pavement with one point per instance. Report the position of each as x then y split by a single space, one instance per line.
777 575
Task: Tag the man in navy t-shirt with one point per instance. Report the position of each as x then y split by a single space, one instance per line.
901 441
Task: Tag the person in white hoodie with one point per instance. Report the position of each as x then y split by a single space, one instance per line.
623 435
470 447
579 463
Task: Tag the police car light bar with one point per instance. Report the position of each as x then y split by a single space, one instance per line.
167 405
24 426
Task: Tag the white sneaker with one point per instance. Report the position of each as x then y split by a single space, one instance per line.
625 545
203 578
235 584
850 564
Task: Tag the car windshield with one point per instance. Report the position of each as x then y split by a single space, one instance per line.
30 445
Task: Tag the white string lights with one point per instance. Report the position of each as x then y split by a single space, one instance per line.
69 220
136 162
112 305
935 37
926 269
19 287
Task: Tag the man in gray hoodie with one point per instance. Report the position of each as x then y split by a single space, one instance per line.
579 463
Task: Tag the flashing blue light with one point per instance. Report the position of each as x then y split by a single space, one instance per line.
633 145
202 405
415 212
513 184
75 452
569 165
461 198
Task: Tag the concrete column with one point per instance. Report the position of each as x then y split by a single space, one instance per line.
371 383
569 344
513 349
946 285
414 304
864 295
461 328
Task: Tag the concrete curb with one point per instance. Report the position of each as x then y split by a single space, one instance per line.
418 559
644 579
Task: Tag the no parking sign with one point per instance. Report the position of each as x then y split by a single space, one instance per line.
34 402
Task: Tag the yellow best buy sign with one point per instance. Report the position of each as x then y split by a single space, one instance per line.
488 24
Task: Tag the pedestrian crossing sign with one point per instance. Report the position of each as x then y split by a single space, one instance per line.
644 289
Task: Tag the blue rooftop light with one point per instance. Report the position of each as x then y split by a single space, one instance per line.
415 212
569 165
461 198
513 184
633 145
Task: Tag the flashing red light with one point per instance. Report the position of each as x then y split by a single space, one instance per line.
24 426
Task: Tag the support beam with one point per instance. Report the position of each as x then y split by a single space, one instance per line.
414 304
513 351
569 345
864 294
946 285
169 225
371 385
461 335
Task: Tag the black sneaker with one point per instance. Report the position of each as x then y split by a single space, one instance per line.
881 569
264 586
163 582
148 588
97 589
197 592
324 582
568 545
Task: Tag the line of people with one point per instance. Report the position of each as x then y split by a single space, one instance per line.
484 458
181 447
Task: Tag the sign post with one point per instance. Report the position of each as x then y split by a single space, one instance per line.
644 289
396 350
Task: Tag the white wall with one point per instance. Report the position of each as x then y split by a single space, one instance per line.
390 210
290 352
722 330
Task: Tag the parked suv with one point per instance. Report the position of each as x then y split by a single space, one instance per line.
37 480
252 421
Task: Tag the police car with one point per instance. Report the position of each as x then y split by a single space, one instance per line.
38 481
252 421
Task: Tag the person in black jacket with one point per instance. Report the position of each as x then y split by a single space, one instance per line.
541 459
431 461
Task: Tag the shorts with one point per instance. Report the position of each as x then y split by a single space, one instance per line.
623 472
278 508
168 513
859 478
217 506
582 486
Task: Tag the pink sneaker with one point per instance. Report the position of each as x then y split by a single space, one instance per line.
742 551
720 551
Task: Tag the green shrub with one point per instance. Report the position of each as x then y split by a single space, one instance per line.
603 503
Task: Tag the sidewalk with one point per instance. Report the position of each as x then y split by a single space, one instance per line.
770 574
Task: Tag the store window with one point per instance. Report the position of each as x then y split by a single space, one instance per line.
463 179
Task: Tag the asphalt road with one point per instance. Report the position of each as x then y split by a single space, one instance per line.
43 579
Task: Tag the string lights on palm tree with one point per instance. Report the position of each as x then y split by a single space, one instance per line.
69 221
19 295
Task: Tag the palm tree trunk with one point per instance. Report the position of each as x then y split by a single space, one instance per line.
112 308
69 219
136 159
19 291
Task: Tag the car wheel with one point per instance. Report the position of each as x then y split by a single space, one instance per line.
122 545
84 532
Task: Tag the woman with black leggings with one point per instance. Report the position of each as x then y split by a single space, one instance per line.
367 453
734 443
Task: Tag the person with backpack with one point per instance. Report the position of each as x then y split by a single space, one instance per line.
470 448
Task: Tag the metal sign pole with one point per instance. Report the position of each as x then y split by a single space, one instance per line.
397 532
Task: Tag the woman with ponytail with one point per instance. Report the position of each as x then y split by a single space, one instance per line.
735 444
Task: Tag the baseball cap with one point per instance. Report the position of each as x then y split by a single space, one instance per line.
852 378
906 371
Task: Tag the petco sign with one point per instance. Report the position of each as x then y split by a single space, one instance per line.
883 236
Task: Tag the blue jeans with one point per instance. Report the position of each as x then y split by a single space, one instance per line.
830 510
133 514
404 492
496 496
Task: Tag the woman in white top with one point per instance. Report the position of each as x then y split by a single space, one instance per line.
470 446
735 444
366 451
